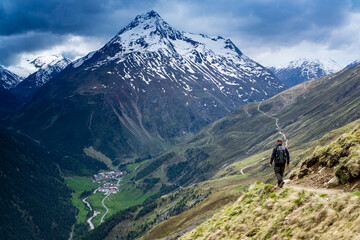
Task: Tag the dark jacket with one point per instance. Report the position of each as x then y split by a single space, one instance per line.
274 158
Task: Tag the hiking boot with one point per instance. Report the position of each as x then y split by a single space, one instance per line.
282 184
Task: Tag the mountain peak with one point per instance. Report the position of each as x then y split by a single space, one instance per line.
151 14
148 17
149 20
45 61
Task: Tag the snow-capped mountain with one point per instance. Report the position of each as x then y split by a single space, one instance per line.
305 69
8 79
48 67
145 88
354 63
149 43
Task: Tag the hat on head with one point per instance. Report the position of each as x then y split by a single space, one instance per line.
279 140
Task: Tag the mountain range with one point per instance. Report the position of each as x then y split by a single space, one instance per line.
47 67
305 69
146 89
15 90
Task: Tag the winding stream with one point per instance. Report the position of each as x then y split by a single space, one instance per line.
87 203
107 210
89 220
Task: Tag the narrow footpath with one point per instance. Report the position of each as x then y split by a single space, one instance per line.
277 128
276 123
330 191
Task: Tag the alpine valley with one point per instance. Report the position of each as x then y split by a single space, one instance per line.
215 166
163 134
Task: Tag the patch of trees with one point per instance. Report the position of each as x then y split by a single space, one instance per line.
183 172
140 159
146 209
154 165
149 183
85 194
175 170
196 154
80 229
80 165
35 202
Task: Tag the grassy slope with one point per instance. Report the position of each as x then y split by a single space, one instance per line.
265 213
223 192
223 184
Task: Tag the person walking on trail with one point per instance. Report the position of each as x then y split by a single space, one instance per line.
281 157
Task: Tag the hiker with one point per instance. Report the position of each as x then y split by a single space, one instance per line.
280 156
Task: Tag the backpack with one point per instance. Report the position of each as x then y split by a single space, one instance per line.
281 154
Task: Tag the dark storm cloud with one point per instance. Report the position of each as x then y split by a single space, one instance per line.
27 25
94 17
83 17
11 47
277 20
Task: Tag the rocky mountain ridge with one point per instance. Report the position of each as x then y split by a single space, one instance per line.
8 79
48 67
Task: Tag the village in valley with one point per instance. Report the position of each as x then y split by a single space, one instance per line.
108 179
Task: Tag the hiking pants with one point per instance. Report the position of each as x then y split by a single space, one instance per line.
279 173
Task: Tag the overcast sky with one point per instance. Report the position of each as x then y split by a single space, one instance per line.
271 32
